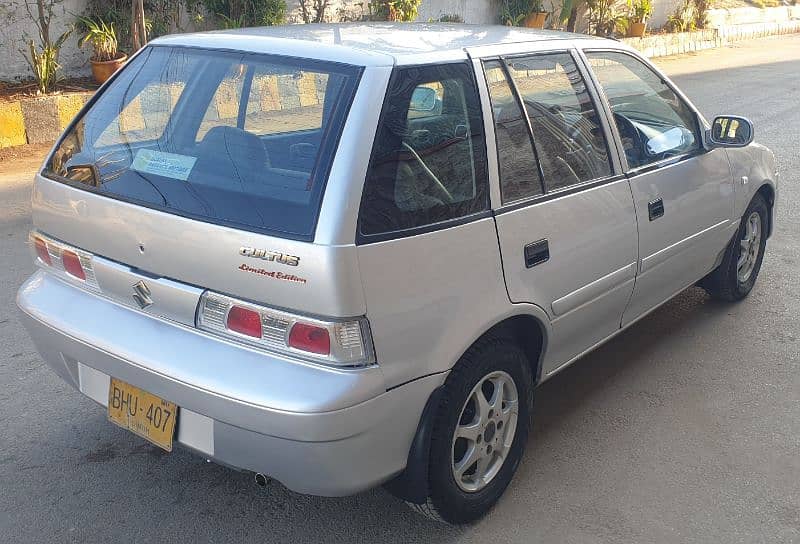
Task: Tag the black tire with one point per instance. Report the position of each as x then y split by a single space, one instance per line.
724 282
447 501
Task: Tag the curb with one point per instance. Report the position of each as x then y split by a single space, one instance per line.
678 43
39 119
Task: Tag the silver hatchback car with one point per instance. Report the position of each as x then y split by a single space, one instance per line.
344 256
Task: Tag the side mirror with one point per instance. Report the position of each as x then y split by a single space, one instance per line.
423 99
730 131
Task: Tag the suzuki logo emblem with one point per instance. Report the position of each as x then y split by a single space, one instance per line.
141 294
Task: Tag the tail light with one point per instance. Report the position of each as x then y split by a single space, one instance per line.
64 260
41 251
310 338
244 321
344 343
72 264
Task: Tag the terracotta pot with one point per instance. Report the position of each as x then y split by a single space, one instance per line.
536 20
104 69
636 30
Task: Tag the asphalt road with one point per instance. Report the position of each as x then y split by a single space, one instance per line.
686 428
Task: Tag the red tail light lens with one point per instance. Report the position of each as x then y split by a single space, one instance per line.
64 260
41 251
310 338
72 264
341 342
244 321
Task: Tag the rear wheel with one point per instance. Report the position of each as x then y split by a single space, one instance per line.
480 431
735 277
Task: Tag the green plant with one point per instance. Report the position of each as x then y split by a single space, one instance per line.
241 13
394 10
153 17
684 19
701 12
273 12
450 18
569 14
42 58
229 23
102 36
639 10
43 61
513 12
604 17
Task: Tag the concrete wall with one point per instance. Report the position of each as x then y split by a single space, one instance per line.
15 25
472 11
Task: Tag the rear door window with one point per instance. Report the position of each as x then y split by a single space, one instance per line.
428 162
240 139
519 174
567 133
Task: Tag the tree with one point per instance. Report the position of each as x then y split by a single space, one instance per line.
138 29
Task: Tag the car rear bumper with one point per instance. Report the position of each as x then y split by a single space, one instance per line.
317 430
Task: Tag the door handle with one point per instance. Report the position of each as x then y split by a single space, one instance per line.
536 253
655 209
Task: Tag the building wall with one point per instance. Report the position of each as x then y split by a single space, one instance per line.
471 11
16 29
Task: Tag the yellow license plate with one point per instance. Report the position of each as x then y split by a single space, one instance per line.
142 413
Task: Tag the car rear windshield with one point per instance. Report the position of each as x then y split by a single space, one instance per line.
240 139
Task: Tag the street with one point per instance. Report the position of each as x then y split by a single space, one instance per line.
685 428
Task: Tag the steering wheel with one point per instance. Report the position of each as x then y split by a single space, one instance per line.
441 189
631 140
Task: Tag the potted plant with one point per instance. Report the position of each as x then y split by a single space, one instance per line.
107 59
536 16
639 12
522 13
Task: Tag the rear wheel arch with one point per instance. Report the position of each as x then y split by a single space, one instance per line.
527 331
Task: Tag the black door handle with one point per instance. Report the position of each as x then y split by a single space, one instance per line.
536 253
655 209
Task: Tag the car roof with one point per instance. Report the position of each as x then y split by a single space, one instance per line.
367 44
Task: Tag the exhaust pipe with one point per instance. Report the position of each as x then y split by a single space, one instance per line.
261 480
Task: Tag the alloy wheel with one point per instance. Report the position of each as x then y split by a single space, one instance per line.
485 431
750 245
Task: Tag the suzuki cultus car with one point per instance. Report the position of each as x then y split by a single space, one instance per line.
342 256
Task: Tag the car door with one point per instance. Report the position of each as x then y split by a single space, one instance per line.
565 221
682 192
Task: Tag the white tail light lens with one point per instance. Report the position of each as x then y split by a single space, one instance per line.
341 343
64 260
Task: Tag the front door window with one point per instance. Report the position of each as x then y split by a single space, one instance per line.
654 123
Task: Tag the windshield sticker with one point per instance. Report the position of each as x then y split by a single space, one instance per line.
271 274
169 165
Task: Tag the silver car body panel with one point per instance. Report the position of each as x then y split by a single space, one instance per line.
587 282
682 246
426 329
266 412
164 245
427 297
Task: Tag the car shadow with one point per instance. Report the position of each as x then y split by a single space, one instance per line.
195 500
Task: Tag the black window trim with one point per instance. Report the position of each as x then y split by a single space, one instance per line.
365 239
524 113
590 82
357 74
663 163
559 193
